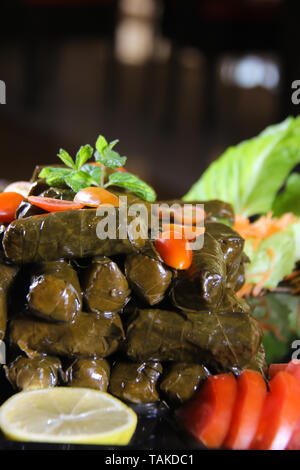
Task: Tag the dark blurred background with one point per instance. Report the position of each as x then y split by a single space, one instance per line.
176 81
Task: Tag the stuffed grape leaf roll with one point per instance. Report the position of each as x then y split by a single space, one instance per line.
148 277
105 286
220 340
90 335
202 284
26 373
7 276
89 373
67 234
181 381
54 292
135 382
232 245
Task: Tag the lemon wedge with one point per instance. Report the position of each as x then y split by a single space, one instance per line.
67 415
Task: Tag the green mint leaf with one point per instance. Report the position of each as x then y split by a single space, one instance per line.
78 180
66 158
113 143
250 174
106 155
83 155
132 183
101 143
55 176
95 172
110 158
289 199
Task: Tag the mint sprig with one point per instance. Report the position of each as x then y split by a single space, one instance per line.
71 176
80 174
106 155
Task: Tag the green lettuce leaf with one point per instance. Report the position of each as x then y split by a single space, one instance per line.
289 199
250 174
284 245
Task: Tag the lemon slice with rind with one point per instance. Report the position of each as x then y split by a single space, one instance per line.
67 415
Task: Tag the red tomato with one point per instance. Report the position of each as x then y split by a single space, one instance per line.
293 367
9 203
251 393
94 196
207 416
294 442
174 249
280 413
274 368
50 204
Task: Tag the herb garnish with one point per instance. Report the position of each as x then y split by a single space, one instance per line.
80 173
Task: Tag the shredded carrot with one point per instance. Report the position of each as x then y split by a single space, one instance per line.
257 231
245 290
263 227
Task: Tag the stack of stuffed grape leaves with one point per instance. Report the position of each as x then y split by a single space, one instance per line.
112 314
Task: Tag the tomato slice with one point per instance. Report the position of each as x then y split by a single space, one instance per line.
50 204
174 249
280 413
9 203
94 196
187 231
275 368
293 367
294 442
251 393
207 416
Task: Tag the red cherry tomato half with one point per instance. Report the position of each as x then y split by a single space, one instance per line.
174 249
9 203
50 204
